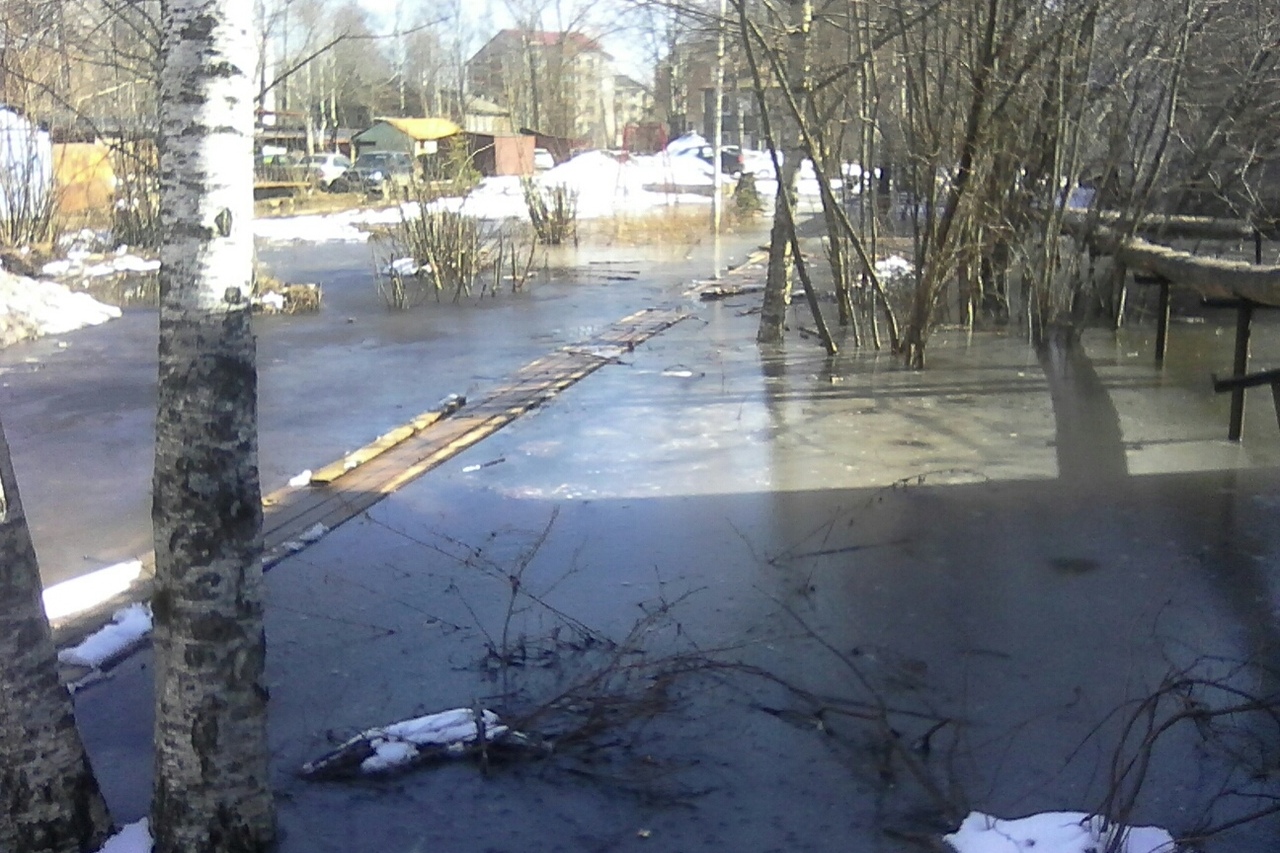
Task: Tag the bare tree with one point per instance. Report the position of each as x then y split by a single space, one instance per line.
211 784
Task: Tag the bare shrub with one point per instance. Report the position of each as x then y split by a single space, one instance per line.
136 215
433 250
27 201
553 211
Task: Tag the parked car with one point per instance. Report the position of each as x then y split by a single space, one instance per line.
327 168
377 172
542 160
730 158
284 168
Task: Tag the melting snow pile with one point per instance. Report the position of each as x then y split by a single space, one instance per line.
893 268
1056 832
127 629
30 308
87 256
604 184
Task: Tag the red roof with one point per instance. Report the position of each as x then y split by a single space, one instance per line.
551 39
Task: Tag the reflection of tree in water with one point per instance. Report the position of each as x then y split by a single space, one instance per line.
1090 445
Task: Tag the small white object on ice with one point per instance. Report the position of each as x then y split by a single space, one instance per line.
1054 832
313 533
470 468
303 479
679 373
404 266
132 838
272 300
128 627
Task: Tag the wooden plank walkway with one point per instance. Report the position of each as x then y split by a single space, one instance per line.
295 516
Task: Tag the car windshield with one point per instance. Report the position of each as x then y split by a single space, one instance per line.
375 160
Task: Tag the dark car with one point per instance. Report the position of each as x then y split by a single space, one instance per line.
286 168
730 158
377 172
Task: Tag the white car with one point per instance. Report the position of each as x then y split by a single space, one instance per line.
542 160
324 168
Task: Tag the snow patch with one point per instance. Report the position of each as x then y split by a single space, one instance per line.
1055 832
31 308
128 627
314 533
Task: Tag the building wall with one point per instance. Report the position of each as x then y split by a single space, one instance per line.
381 137
574 83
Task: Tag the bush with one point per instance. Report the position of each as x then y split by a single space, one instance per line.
553 212
135 217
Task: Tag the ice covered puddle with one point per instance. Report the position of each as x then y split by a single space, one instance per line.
1056 832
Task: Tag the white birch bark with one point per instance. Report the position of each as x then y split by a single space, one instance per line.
211 784
51 799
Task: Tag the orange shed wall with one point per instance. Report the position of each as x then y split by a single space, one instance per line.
513 155
84 177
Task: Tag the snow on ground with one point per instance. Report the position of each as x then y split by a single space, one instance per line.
346 226
30 308
127 628
894 267
604 183
1055 832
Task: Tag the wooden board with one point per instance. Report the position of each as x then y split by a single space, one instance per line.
388 440
404 454
1212 277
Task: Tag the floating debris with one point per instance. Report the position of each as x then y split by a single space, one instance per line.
456 733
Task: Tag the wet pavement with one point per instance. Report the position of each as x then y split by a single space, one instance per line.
1023 548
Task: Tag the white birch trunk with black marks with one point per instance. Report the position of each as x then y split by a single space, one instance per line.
51 799
211 784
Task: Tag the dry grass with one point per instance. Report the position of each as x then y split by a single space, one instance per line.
315 202
686 226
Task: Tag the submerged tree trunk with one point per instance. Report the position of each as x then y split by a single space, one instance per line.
51 798
777 280
211 784
786 138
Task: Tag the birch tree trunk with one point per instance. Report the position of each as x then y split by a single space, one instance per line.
51 798
211 784
777 284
